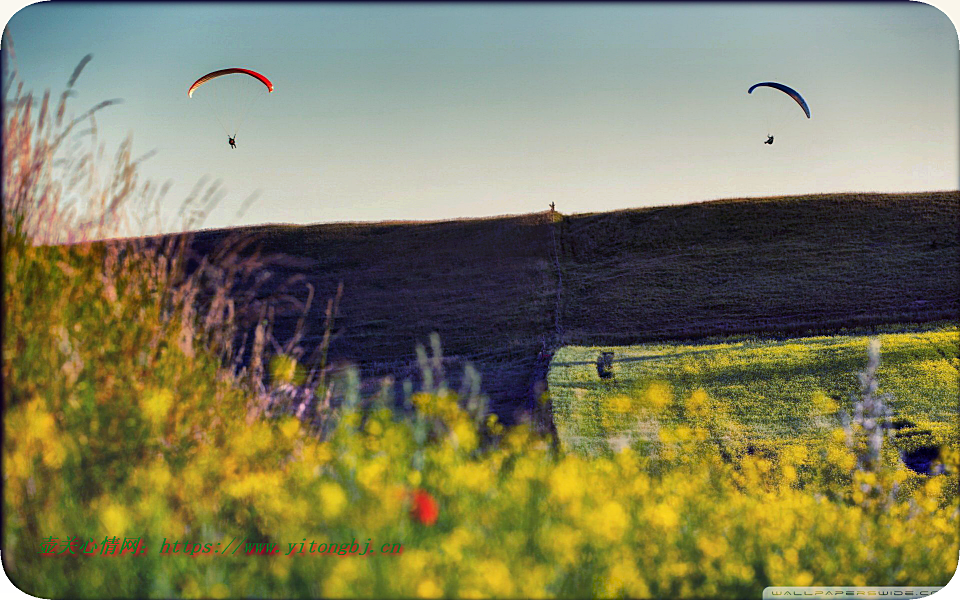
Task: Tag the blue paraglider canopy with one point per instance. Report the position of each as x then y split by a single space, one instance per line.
786 90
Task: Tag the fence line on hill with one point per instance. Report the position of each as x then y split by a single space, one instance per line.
558 327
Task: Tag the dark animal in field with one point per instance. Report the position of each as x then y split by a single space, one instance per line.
605 365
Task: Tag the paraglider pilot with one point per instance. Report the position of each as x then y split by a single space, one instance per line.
769 139
233 143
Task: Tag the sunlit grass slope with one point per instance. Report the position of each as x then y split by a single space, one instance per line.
772 390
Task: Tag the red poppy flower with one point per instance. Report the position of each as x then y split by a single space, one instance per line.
425 509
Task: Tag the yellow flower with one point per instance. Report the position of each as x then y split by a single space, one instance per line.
413 564
792 557
712 547
789 473
473 476
285 369
525 468
414 478
53 452
624 579
678 569
159 475
340 582
252 439
290 427
841 457
428 588
698 402
466 435
496 577
565 482
823 404
663 515
455 542
658 396
795 454
667 435
610 521
620 404
323 453
114 520
492 424
640 484
252 485
563 542
534 582
156 405
333 499
838 436
370 475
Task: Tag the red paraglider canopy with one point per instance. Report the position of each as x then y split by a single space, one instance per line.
223 72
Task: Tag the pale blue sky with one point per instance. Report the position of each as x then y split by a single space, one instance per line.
386 112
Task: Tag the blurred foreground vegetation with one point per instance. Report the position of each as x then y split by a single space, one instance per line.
116 427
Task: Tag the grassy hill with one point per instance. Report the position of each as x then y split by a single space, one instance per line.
486 286
497 289
771 389
781 265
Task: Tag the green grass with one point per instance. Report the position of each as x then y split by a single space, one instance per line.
767 387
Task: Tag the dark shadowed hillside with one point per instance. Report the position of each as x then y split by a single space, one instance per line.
489 286
486 286
780 265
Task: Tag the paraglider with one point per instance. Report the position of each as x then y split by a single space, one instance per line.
230 98
786 90
789 91
223 72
